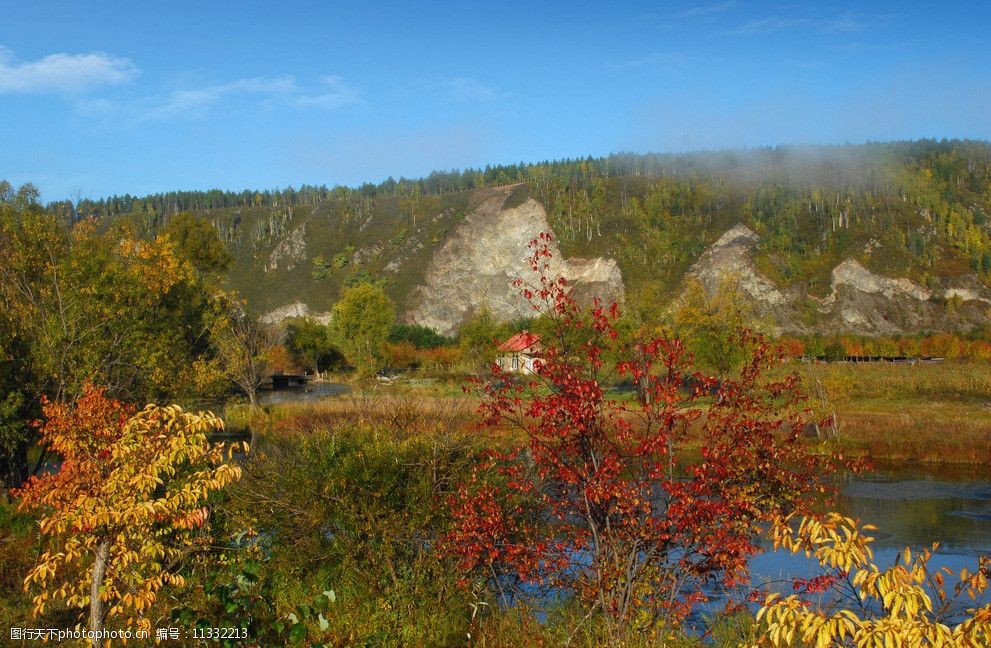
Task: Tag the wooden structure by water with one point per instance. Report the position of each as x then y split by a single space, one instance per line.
284 381
864 358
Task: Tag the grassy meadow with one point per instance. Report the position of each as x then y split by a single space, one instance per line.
927 413
936 413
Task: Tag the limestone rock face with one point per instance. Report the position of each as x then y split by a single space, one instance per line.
869 304
860 301
731 255
289 252
966 295
851 273
290 311
477 263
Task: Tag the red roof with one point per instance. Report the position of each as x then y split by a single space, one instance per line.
520 342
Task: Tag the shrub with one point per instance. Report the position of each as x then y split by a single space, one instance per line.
352 510
422 337
904 605
602 503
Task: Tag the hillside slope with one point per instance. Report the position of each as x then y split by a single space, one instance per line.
870 239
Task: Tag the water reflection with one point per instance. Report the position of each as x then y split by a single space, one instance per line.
301 393
910 507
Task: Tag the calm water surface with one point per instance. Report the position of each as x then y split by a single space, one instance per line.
911 507
302 393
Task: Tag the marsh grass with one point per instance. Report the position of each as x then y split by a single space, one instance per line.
961 381
932 413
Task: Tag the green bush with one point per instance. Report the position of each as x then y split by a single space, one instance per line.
353 510
422 337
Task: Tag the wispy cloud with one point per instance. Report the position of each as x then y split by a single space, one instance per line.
459 88
62 73
770 25
468 88
707 9
195 103
669 60
334 91
846 23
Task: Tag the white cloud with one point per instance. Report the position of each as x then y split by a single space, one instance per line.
666 60
769 25
467 88
68 73
196 103
846 23
458 88
335 91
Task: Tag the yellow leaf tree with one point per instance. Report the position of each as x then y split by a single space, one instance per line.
904 605
126 505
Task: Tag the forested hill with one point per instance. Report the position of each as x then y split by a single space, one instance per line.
918 210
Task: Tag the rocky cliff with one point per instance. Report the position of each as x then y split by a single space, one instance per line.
477 263
859 301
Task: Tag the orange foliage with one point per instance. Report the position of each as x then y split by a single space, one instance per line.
129 493
404 355
945 345
440 358
401 355
280 360
792 347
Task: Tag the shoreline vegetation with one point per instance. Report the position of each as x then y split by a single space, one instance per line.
929 414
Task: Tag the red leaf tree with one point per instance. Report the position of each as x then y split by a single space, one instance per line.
605 500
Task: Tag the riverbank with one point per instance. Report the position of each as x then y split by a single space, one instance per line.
925 413
399 445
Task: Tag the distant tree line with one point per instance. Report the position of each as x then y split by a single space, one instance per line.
830 165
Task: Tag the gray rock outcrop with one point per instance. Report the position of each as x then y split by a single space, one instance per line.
293 310
860 301
477 263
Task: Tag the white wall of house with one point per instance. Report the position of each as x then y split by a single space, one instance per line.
517 362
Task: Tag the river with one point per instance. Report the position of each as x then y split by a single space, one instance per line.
301 393
910 506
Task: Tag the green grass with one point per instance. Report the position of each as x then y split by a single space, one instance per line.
934 413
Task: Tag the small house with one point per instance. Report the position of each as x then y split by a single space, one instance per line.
519 352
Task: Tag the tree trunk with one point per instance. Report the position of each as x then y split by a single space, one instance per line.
252 411
95 602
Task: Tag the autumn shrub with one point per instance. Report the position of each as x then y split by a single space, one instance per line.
792 347
855 602
973 346
601 504
400 355
440 360
279 360
945 345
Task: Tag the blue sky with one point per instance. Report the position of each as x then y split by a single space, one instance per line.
104 97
